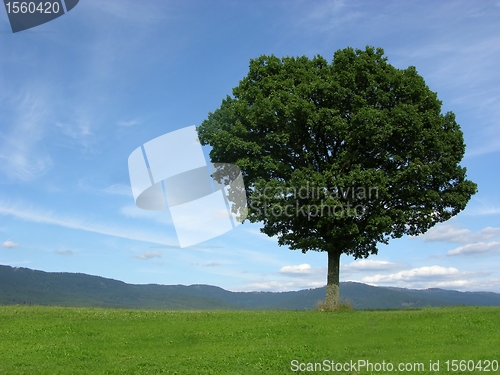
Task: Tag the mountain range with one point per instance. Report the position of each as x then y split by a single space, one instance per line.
30 287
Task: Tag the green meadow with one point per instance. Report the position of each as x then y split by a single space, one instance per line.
55 340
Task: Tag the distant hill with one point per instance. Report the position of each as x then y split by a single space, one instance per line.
26 286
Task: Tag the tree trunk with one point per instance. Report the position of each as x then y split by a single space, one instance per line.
332 300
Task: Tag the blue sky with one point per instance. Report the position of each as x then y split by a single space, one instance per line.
80 93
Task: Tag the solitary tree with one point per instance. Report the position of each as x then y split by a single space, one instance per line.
339 157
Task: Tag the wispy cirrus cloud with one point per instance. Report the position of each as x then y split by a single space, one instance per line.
127 123
114 189
327 16
160 216
48 217
483 207
462 65
118 189
491 210
78 130
30 127
128 10
25 117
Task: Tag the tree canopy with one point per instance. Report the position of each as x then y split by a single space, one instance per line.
340 156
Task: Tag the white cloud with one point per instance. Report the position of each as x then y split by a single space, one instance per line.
485 234
281 286
288 278
450 233
301 270
432 277
475 248
416 274
10 244
486 284
369 265
148 255
448 284
445 233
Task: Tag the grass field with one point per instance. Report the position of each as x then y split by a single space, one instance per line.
51 340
